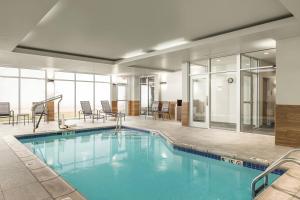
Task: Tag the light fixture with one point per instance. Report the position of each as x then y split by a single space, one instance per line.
134 54
266 53
170 44
218 60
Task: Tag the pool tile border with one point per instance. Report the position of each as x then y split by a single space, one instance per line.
246 162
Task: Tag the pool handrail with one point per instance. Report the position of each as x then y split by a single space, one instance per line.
276 164
35 126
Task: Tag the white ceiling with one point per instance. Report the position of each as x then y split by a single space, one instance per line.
112 28
17 18
77 33
227 44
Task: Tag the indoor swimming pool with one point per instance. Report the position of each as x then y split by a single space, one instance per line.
136 164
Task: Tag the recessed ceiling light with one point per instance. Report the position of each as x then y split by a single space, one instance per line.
170 44
218 60
266 53
134 54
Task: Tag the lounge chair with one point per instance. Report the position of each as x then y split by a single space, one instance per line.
165 110
5 111
86 110
106 109
155 109
41 110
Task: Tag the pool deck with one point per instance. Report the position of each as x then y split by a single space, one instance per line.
23 176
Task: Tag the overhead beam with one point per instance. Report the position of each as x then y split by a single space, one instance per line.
65 55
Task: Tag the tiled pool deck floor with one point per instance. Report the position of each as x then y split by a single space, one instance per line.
23 176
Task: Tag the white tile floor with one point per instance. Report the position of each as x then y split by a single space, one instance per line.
18 182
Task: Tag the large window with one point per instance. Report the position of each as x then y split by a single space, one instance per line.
102 93
9 84
9 93
32 90
67 105
84 92
22 87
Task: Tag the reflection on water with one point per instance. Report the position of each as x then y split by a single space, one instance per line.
137 165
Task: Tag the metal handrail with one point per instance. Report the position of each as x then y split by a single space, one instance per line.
35 126
119 122
284 156
271 168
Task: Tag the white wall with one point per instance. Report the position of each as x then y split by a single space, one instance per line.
173 89
288 71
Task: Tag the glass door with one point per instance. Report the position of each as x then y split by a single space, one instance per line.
199 108
247 101
146 95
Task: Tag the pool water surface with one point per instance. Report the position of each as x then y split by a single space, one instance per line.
139 165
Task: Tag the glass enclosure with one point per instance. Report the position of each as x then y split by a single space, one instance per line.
241 93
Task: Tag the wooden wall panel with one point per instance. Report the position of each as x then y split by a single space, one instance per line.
114 106
287 125
133 108
172 107
50 110
185 114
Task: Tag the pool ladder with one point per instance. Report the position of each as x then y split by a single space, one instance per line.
265 174
119 123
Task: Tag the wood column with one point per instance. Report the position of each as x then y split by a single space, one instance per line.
133 108
185 114
50 110
114 106
287 125
172 106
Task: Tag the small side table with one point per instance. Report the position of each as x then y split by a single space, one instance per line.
24 115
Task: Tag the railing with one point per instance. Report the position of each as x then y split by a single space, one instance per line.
119 122
276 164
33 109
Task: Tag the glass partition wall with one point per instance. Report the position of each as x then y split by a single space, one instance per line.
234 92
223 84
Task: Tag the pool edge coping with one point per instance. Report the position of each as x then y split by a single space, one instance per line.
26 156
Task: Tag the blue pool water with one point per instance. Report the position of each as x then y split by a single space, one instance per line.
136 165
